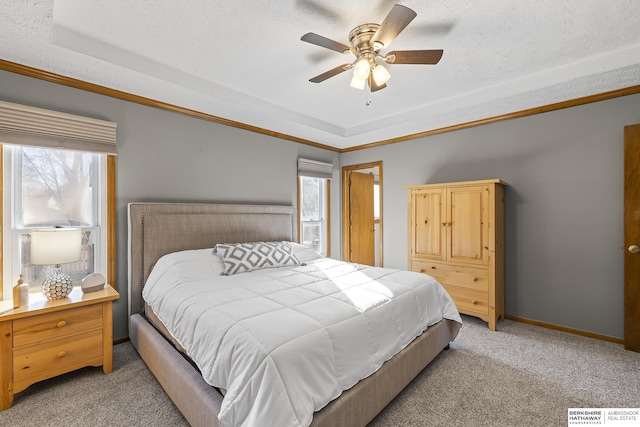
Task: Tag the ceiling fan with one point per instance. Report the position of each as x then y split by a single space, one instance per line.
367 42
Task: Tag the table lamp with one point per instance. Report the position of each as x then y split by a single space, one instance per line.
55 246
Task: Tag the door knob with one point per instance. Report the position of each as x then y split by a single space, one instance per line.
634 249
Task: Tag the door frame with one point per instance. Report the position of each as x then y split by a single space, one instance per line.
631 237
346 238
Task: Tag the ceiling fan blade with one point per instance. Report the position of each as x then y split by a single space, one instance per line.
396 21
376 87
414 56
321 41
328 74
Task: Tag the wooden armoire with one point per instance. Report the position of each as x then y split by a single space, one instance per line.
456 235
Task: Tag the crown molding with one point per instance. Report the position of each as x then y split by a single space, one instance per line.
102 90
515 115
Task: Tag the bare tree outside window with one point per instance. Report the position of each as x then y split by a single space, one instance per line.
56 189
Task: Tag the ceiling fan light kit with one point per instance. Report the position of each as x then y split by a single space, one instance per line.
361 68
357 83
367 40
380 74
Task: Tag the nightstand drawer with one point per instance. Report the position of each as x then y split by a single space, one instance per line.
56 325
57 356
465 277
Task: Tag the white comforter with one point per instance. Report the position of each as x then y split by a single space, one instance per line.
283 342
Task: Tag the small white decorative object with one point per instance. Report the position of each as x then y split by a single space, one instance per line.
93 282
20 294
56 246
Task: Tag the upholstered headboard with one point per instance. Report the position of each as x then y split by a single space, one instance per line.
156 229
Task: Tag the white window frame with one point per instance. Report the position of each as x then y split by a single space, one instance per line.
12 159
323 209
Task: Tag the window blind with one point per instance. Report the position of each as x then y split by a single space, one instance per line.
25 125
315 169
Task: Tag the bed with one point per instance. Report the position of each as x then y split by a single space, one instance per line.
158 229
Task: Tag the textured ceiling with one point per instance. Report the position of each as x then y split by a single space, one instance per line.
243 60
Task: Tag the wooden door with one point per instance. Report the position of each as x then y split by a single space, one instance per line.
428 217
467 224
361 217
632 238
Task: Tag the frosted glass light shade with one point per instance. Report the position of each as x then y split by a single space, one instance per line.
361 69
358 83
380 75
55 245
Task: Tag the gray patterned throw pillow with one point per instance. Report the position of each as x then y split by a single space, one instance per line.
242 257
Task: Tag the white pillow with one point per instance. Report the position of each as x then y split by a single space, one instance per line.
303 253
242 257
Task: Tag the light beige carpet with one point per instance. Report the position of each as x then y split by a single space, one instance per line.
521 375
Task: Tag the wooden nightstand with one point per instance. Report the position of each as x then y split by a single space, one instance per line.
51 337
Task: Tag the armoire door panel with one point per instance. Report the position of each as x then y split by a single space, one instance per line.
429 238
467 225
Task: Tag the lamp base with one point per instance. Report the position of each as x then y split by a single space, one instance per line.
57 286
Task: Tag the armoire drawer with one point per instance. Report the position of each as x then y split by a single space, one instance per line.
468 301
464 277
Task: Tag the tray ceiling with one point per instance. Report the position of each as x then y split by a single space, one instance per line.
244 61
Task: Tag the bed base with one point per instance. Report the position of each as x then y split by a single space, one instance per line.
156 229
200 403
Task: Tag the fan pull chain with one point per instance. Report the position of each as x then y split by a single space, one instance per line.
367 92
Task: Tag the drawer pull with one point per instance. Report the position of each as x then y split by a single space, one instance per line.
422 270
433 267
475 279
474 301
61 324
61 354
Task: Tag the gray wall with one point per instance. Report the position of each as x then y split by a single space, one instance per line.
564 205
165 156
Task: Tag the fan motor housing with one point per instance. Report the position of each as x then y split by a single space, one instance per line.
360 38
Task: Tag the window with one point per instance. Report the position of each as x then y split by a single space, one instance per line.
313 214
376 202
313 204
46 187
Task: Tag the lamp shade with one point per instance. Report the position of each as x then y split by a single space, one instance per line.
55 245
